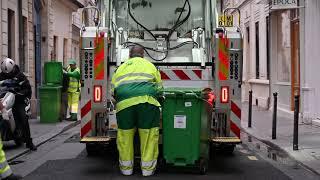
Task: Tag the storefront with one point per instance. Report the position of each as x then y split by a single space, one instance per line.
285 56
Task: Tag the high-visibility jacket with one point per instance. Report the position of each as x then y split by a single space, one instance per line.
136 81
74 80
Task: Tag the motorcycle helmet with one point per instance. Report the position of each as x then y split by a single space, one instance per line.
7 65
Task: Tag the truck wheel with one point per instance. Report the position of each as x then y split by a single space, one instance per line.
203 166
91 149
229 149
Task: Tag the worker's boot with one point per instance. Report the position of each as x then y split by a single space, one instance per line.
74 117
30 145
13 177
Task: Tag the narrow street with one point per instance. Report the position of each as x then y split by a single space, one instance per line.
64 158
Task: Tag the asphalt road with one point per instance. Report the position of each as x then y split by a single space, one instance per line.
63 158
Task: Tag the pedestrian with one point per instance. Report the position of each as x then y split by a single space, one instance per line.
135 87
73 73
9 70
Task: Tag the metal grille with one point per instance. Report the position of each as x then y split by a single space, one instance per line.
220 124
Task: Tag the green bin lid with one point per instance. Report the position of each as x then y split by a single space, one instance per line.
180 90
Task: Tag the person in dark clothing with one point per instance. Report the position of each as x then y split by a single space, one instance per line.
9 70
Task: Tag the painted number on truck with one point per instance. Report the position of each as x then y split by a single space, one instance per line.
224 94
97 94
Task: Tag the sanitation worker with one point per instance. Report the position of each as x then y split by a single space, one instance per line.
135 86
73 72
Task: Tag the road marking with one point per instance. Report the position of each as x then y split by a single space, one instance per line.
252 158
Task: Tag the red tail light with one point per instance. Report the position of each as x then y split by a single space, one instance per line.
97 94
224 94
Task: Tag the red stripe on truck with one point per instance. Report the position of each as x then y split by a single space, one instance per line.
235 129
181 74
85 109
85 129
164 76
198 73
235 109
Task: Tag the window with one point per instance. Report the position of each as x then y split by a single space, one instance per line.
55 49
74 53
248 34
268 46
257 51
65 48
11 34
283 46
23 60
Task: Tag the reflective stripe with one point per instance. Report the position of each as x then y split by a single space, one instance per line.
147 173
149 165
127 172
3 165
126 163
134 74
136 100
134 81
6 174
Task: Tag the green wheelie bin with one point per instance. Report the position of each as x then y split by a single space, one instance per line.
50 104
185 128
53 73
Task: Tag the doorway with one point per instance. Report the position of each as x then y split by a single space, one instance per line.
295 57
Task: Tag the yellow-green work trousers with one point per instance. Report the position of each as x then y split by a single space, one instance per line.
146 118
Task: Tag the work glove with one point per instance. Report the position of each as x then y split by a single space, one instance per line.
64 71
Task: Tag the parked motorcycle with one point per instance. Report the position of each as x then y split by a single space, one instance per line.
9 128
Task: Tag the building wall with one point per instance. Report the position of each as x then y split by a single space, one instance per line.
281 58
251 12
310 61
27 12
76 27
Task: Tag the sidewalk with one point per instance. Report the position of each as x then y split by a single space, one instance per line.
309 136
40 133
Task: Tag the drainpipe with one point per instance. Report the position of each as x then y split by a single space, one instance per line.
270 58
37 5
21 35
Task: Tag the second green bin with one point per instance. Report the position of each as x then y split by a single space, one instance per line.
50 104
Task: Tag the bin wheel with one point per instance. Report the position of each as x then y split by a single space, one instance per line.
203 166
91 149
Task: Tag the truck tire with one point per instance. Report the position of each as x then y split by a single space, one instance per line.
228 150
92 149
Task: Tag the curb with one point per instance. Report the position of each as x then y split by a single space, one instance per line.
275 147
53 135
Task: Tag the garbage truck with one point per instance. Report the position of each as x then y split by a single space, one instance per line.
197 56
